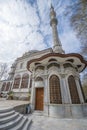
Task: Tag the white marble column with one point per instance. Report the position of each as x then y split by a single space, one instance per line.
32 100
46 93
68 91
5 86
20 83
28 82
79 89
64 90
12 84
19 90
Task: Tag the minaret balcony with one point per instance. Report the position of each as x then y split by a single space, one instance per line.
53 21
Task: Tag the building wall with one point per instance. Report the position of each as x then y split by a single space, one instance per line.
68 107
19 67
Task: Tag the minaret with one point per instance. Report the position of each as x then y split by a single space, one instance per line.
57 47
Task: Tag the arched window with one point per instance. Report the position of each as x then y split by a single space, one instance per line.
7 86
55 92
3 87
25 79
16 82
73 90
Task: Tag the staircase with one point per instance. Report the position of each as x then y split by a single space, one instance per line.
11 120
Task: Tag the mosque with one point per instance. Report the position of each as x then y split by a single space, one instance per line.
52 77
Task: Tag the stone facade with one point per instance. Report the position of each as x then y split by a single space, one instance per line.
52 77
56 86
18 71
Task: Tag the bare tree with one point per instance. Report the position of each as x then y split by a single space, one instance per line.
3 71
78 18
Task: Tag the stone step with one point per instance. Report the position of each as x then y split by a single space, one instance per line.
27 125
3 110
11 124
9 118
3 115
38 113
19 125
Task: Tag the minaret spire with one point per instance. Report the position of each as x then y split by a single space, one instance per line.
57 47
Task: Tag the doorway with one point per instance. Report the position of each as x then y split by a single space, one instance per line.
39 99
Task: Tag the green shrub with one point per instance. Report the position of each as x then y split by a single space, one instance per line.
10 95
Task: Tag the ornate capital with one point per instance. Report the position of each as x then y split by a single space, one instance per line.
45 76
62 75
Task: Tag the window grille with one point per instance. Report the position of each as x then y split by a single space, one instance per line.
55 92
17 81
73 90
8 86
3 86
25 79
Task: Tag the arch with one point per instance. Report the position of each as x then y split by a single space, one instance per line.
38 79
73 90
7 86
53 64
52 59
66 65
55 92
3 86
39 67
37 63
25 79
70 60
16 82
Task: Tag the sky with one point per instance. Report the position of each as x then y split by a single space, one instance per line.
25 26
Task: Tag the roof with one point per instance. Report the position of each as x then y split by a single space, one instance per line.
78 59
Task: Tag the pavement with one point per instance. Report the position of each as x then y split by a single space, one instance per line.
47 123
11 103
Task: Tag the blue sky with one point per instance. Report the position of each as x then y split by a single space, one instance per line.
24 26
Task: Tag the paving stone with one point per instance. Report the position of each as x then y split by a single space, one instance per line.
49 123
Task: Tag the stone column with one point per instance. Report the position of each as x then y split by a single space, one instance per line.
68 91
64 90
20 87
28 82
12 84
20 83
32 100
46 93
79 89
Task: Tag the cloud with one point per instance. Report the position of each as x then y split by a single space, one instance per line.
70 43
24 25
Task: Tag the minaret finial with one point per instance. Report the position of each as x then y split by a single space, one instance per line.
53 22
52 6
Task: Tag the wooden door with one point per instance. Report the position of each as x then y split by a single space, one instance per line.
39 99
